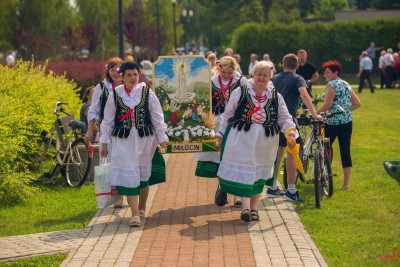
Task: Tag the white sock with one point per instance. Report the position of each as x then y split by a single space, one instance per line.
292 188
274 187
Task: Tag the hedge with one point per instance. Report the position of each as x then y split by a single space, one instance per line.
340 40
27 99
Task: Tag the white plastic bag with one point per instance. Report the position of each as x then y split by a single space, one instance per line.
105 194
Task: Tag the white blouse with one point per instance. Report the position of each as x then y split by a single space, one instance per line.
94 109
285 120
132 100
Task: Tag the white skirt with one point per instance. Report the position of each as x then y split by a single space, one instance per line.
248 156
131 159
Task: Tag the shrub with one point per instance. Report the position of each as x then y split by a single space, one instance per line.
339 40
27 100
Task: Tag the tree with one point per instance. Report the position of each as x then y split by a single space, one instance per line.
8 22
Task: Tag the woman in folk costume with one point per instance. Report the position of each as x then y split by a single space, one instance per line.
223 83
99 99
249 136
134 123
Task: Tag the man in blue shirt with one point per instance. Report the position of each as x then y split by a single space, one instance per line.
365 71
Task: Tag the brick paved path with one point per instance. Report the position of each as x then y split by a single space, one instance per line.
183 228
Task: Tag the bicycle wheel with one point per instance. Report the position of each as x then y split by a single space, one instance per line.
318 161
78 163
326 177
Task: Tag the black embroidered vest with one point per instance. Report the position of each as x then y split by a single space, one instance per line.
103 99
218 103
143 124
242 119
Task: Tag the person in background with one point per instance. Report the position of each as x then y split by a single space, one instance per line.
249 136
223 83
10 59
99 100
253 62
388 60
87 100
339 92
134 124
382 68
228 52
365 71
267 58
371 50
293 88
212 58
396 69
307 70
238 59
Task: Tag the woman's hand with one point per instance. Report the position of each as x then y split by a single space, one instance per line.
163 145
292 141
89 136
219 141
104 151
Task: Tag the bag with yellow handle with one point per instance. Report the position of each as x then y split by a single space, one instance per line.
294 151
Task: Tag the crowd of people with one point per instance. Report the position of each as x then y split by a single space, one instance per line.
254 116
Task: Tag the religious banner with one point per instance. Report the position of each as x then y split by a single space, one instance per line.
183 86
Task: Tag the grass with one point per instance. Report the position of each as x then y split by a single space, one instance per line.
351 229
354 227
55 208
38 261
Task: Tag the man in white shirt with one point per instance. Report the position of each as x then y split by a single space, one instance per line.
365 71
10 59
381 65
388 60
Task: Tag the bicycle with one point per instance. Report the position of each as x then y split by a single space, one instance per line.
302 129
317 156
72 156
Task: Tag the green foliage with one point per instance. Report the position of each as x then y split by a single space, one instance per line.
38 261
27 100
14 188
340 40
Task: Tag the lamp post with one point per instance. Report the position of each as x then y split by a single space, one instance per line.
184 15
190 27
158 30
120 30
173 10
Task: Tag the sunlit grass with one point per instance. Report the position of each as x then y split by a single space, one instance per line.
354 227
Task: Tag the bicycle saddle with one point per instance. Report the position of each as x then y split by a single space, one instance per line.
74 124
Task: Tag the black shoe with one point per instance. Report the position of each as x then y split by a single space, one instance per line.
254 215
246 215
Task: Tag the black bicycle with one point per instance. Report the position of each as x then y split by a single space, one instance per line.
66 144
317 156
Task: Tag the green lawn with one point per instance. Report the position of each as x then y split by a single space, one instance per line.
354 227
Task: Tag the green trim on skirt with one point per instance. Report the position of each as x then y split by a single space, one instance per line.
207 169
157 176
242 190
126 191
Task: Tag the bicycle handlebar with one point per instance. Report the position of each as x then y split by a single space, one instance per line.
58 108
307 119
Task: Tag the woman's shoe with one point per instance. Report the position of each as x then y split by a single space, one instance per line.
142 213
254 215
237 201
345 187
135 221
246 216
